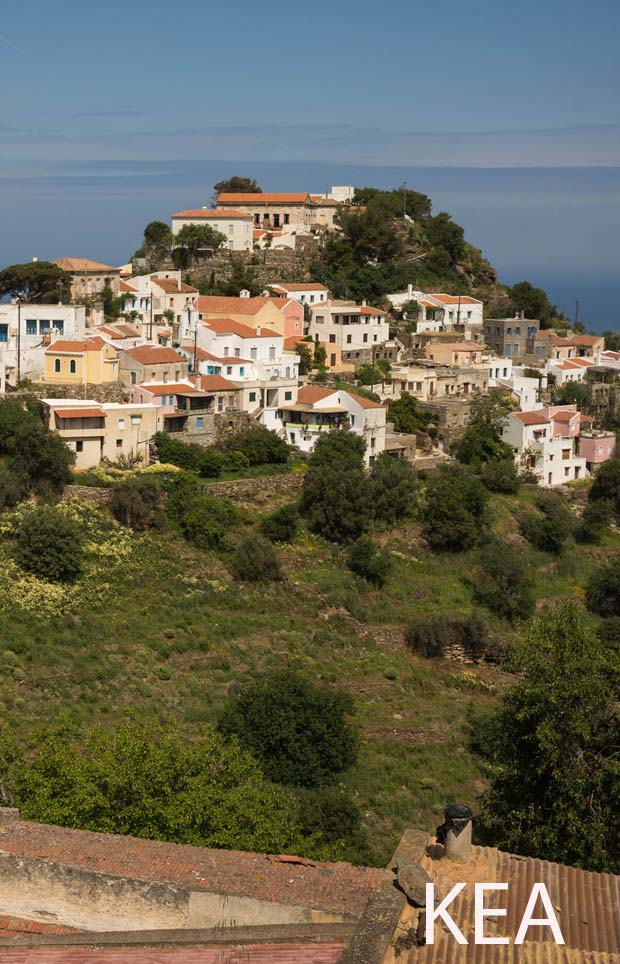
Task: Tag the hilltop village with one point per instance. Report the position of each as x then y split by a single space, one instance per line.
310 589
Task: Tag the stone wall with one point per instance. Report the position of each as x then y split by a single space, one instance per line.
107 392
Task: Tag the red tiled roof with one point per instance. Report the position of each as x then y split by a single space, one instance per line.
19 927
587 341
454 299
154 355
125 286
64 346
364 402
309 395
172 286
216 383
77 265
228 326
462 345
300 286
564 416
228 198
195 213
333 887
79 412
213 304
167 389
531 418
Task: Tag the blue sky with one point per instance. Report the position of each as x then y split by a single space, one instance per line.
484 86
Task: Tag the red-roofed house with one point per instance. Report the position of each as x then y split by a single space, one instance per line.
152 363
308 293
546 443
319 410
441 312
159 300
88 280
102 431
91 361
236 226
357 330
286 212
285 316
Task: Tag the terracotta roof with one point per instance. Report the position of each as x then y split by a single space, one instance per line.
79 412
364 402
154 354
62 346
125 286
531 418
564 416
309 395
20 927
350 309
228 198
119 331
195 213
332 887
301 286
213 304
462 345
586 905
293 340
216 383
588 341
83 264
172 286
228 326
167 389
454 299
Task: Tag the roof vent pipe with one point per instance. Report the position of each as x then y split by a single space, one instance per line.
455 832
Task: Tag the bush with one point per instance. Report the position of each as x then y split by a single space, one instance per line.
595 519
549 529
49 544
13 485
136 503
259 445
603 590
282 525
256 560
198 517
430 636
366 559
503 582
333 814
299 732
606 485
393 488
190 456
454 510
39 458
501 476
609 633
336 498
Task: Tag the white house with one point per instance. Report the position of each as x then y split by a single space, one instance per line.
307 293
253 358
546 442
571 370
503 374
158 300
355 329
236 226
319 410
440 312
38 326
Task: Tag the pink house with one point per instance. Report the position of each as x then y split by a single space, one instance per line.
566 420
293 313
596 447
152 393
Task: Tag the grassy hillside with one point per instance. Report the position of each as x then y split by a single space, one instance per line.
157 628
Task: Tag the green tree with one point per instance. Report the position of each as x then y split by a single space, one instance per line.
237 185
282 525
533 302
481 443
552 749
34 454
137 502
147 780
550 527
194 240
443 234
158 240
569 393
304 350
500 476
320 354
407 415
298 732
335 500
111 305
454 509
35 281
197 516
502 581
606 486
49 544
393 489
369 561
392 204
603 590
595 520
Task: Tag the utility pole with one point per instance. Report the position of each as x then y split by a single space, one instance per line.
404 199
458 312
372 385
19 341
151 314
576 313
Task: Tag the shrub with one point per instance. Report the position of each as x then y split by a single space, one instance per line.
501 476
366 559
188 455
454 510
210 464
603 590
13 485
299 732
606 485
197 516
430 636
503 582
259 445
549 529
282 525
37 456
595 519
136 502
609 633
333 814
393 488
256 560
49 544
336 499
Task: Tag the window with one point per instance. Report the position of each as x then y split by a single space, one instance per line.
165 378
133 378
319 319
57 365
257 219
287 219
231 244
136 419
72 366
272 353
220 403
44 326
332 360
199 422
177 375
237 352
292 438
311 299
119 443
276 220
121 423
241 370
352 420
231 229
348 339
565 454
225 350
372 443
60 327
509 331
79 446
517 331
31 326
4 333
253 353
252 396
567 471
288 396
365 336
332 339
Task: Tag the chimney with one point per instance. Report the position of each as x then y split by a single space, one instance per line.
410 291
258 330
455 832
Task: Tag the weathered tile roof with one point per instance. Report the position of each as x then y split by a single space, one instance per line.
154 355
83 264
243 954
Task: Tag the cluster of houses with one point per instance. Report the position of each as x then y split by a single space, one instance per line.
201 366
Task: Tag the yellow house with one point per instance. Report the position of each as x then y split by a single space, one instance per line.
89 362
